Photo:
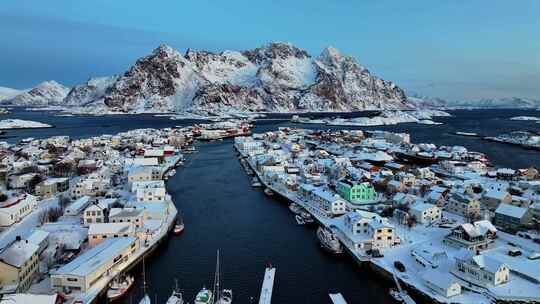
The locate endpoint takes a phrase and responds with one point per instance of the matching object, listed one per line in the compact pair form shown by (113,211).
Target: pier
(267,286)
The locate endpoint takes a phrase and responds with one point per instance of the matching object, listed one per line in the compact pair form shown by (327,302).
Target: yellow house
(18,265)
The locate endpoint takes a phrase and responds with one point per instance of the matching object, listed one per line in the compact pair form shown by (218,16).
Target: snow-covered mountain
(493,103)
(89,92)
(44,94)
(7,93)
(424,102)
(276,77)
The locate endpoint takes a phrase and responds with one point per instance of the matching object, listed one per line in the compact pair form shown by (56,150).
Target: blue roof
(92,259)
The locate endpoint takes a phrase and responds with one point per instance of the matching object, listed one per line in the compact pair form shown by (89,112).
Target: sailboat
(146,298)
(223,296)
(176,296)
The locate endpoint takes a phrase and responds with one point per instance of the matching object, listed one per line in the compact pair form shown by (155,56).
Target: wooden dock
(267,286)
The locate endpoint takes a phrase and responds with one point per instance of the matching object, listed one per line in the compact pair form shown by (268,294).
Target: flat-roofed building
(102,231)
(85,270)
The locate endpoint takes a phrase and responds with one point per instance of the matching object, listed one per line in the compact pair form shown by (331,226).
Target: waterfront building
(19,263)
(99,232)
(85,270)
(322,201)
(480,270)
(150,194)
(16,208)
(144,173)
(365,231)
(512,218)
(443,283)
(425,213)
(356,193)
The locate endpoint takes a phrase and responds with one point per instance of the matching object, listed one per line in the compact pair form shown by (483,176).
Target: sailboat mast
(216,291)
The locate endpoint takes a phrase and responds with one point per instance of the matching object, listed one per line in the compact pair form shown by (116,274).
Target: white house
(425,213)
(480,269)
(322,201)
(144,173)
(444,284)
(94,213)
(363,231)
(90,187)
(16,208)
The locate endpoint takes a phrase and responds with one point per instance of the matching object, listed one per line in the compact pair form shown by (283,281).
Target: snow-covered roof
(29,298)
(94,258)
(125,212)
(18,253)
(499,195)
(38,236)
(511,210)
(110,228)
(421,206)
(443,280)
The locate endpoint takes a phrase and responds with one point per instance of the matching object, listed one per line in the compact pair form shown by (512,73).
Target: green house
(356,193)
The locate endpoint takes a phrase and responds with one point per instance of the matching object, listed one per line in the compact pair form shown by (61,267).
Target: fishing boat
(308,218)
(255,182)
(146,298)
(119,287)
(329,241)
(179,226)
(299,220)
(176,296)
(295,208)
(268,192)
(204,297)
(225,297)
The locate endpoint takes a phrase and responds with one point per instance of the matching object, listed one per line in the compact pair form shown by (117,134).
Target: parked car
(514,252)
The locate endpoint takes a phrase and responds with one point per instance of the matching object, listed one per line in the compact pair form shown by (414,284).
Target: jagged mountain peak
(277,77)
(275,50)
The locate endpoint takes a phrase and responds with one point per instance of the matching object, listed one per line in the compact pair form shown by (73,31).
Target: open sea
(222,211)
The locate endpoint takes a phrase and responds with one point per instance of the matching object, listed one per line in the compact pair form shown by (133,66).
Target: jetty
(337,298)
(267,286)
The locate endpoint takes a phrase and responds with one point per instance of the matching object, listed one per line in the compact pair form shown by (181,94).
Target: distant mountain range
(485,103)
(277,77)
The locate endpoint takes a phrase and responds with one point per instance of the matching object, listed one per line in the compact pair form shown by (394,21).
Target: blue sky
(450,48)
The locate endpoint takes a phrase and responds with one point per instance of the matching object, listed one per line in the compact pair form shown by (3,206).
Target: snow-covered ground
(526,118)
(392,118)
(21,124)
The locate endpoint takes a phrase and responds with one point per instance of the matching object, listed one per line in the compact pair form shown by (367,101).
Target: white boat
(255,182)
(179,226)
(119,287)
(225,297)
(222,296)
(176,296)
(268,192)
(204,297)
(308,218)
(146,298)
(295,208)
(299,220)
(329,240)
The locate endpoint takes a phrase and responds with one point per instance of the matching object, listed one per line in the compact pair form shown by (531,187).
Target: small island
(8,124)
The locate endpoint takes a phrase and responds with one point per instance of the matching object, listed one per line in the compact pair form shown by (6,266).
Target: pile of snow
(392,118)
(21,124)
